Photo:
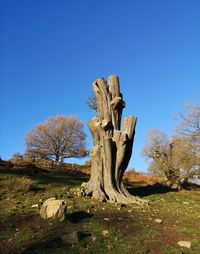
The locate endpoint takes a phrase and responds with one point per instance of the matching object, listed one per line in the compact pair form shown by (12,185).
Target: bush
(17,184)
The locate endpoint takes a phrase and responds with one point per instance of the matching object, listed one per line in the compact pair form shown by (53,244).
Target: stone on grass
(158,221)
(104,233)
(186,244)
(73,237)
(54,209)
(35,205)
(106,219)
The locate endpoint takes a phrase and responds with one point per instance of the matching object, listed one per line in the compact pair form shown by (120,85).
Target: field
(103,227)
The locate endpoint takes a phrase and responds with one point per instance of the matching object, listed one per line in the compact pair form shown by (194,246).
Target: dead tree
(112,148)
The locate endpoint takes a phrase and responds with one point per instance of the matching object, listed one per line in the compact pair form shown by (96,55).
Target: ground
(105,227)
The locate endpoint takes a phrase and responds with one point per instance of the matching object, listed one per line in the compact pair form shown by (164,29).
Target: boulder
(53,208)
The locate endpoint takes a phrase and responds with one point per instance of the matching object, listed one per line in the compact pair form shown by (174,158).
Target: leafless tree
(57,138)
(172,158)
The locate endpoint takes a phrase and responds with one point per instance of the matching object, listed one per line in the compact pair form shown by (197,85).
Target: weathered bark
(112,148)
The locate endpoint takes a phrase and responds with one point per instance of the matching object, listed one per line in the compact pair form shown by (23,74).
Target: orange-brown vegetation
(43,165)
(140,178)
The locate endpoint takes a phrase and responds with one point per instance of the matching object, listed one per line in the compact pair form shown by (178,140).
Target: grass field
(129,229)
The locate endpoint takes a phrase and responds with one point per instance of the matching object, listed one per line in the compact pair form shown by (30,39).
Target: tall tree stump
(112,148)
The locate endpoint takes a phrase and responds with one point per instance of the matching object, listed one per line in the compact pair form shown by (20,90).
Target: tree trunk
(112,148)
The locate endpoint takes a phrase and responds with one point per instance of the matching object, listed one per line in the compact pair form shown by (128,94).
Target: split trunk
(112,148)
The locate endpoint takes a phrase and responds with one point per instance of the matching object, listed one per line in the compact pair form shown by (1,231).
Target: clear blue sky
(52,51)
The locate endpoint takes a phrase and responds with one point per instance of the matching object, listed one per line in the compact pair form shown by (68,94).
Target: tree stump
(112,148)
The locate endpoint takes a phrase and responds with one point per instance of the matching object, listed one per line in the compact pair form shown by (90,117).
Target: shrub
(17,184)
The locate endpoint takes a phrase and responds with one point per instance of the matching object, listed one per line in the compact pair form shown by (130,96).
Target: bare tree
(57,138)
(91,102)
(190,124)
(112,148)
(173,159)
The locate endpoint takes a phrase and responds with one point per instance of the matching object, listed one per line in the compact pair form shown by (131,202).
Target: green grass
(130,228)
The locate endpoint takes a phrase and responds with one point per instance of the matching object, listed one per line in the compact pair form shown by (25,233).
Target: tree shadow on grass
(54,245)
(44,246)
(78,216)
(143,191)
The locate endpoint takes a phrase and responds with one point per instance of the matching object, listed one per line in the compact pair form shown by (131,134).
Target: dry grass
(131,176)
(139,178)
(17,184)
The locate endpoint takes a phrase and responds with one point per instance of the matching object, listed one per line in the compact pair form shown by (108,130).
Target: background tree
(91,102)
(57,138)
(190,125)
(17,158)
(112,148)
(173,159)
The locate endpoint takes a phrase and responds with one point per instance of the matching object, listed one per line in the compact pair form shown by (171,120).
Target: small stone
(106,219)
(35,205)
(185,244)
(73,237)
(94,238)
(104,233)
(129,211)
(158,221)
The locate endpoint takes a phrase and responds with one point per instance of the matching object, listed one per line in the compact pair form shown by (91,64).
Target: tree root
(114,196)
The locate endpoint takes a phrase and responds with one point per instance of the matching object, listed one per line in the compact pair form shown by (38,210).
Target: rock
(106,219)
(159,221)
(104,233)
(35,205)
(57,196)
(53,208)
(73,237)
(186,244)
(93,238)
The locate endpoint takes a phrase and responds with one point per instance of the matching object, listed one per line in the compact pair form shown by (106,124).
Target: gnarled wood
(112,148)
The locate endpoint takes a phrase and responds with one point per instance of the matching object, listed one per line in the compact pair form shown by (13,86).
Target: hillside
(102,227)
